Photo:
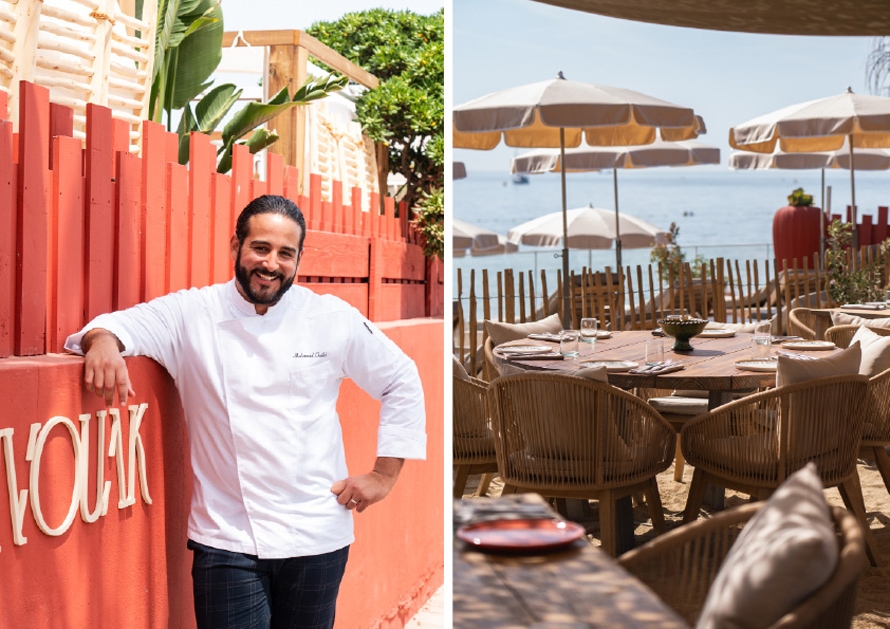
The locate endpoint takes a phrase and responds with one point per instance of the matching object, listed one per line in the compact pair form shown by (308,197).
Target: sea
(720,212)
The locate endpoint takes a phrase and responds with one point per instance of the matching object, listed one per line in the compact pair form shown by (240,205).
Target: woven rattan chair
(841,335)
(681,565)
(753,444)
(490,369)
(566,437)
(808,324)
(876,433)
(473,442)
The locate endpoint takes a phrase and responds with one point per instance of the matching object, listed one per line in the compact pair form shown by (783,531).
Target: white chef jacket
(259,394)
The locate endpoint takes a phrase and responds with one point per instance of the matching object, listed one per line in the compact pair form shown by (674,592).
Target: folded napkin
(797,356)
(658,369)
(865,306)
(535,356)
(782,339)
(467,511)
(546,336)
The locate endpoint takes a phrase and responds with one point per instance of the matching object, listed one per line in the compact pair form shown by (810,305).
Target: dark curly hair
(270,204)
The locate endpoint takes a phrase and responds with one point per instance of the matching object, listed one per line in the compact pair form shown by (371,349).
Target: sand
(873,602)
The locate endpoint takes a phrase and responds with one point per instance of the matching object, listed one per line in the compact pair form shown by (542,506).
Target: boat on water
(520,178)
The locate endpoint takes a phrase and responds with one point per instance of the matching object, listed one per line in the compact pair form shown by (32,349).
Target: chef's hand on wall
(360,492)
(105,370)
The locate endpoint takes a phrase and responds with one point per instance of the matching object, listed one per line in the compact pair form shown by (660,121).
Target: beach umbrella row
(860,120)
(588,228)
(590,158)
(560,113)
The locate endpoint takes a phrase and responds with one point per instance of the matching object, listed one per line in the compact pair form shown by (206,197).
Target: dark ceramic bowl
(682,330)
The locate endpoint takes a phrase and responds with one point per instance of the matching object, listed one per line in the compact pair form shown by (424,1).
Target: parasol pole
(566,300)
(853,196)
(617,230)
(822,221)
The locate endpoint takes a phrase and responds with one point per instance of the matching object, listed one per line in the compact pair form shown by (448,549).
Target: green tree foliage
(188,49)
(671,256)
(407,110)
(846,284)
(429,218)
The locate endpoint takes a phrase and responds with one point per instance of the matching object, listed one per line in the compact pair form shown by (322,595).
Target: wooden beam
(314,47)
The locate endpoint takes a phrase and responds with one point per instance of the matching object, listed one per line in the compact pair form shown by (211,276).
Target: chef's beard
(243,277)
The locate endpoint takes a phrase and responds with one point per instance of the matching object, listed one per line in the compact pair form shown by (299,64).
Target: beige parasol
(588,228)
(863,121)
(560,113)
(587,158)
(458,171)
(466,236)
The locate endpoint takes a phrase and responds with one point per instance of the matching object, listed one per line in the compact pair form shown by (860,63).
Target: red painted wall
(130,568)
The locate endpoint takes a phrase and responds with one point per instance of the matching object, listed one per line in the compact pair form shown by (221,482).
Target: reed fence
(87,227)
(634,298)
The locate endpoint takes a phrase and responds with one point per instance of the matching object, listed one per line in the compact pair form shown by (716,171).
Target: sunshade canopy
(586,158)
(458,170)
(466,235)
(818,125)
(531,116)
(588,228)
(788,17)
(866,159)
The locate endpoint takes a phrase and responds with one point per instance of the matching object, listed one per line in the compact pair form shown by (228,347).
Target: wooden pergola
(289,52)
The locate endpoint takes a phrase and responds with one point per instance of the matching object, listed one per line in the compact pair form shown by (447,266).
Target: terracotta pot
(796,234)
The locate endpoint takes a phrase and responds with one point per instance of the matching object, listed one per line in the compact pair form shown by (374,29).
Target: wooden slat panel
(8,222)
(99,216)
(339,222)
(154,210)
(258,188)
(177,227)
(327,217)
(67,312)
(242,173)
(292,183)
(61,122)
(275,173)
(3,110)
(402,261)
(355,294)
(314,219)
(128,267)
(328,255)
(33,182)
(222,268)
(202,158)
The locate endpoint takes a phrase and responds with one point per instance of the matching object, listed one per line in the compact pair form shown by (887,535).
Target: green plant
(671,256)
(188,48)
(799,199)
(428,218)
(846,284)
(407,110)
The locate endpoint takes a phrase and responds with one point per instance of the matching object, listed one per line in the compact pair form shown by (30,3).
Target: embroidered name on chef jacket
(310,354)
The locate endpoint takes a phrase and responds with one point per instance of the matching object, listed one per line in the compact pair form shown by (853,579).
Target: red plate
(520,535)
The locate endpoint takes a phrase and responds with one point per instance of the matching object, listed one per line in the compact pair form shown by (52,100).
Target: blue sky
(727,78)
(258,15)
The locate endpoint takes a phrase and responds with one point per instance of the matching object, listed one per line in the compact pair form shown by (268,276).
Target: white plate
(612,366)
(716,333)
(524,349)
(757,365)
(809,345)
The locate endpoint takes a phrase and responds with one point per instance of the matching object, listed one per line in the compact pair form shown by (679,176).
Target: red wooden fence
(86,229)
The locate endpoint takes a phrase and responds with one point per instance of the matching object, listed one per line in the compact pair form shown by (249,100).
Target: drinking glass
(588,330)
(654,352)
(887,297)
(763,340)
(568,343)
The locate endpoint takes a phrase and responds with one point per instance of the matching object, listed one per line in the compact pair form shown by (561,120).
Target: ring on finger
(353,501)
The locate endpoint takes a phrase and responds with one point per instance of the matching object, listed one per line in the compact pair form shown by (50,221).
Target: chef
(258,363)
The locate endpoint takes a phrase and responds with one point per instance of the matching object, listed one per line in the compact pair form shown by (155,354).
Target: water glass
(887,297)
(654,352)
(763,340)
(568,343)
(589,328)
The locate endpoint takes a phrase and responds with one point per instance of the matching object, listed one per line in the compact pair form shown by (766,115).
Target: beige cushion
(794,370)
(842,318)
(598,374)
(743,327)
(458,370)
(875,351)
(678,405)
(784,554)
(503,332)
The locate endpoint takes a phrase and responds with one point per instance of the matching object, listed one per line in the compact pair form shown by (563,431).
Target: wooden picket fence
(87,227)
(736,291)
